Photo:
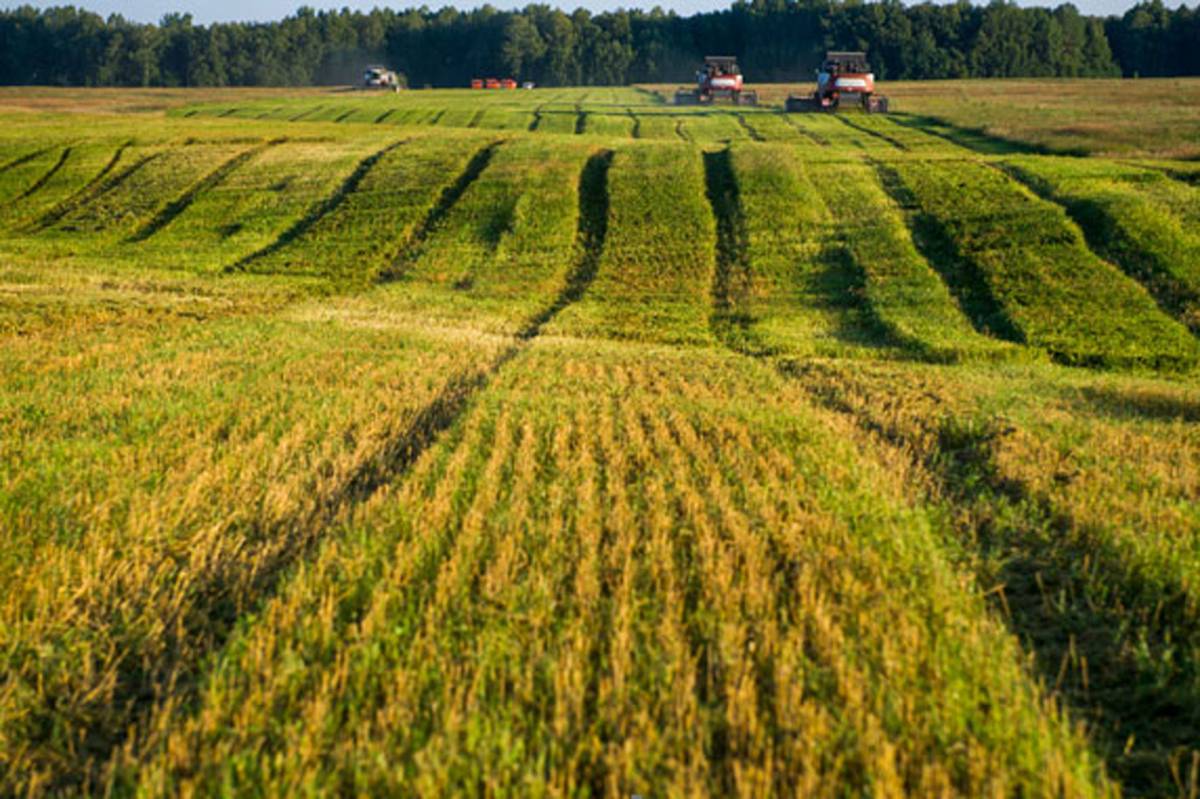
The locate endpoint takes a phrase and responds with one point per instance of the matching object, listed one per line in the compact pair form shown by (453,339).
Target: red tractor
(719,78)
(843,75)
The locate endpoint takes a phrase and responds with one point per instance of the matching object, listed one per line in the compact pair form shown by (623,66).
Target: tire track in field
(1173,296)
(171,679)
(591,231)
(637,124)
(318,211)
(308,112)
(935,244)
(76,198)
(580,120)
(379,119)
(342,117)
(173,209)
(750,131)
(803,130)
(733,274)
(44,179)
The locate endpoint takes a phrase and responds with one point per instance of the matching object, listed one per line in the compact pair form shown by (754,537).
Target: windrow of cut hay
(359,231)
(655,274)
(791,286)
(506,245)
(1076,494)
(1055,292)
(1139,219)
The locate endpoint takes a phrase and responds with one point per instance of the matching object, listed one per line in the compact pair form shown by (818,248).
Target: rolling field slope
(569,443)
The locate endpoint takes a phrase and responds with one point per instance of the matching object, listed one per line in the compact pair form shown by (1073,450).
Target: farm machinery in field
(843,76)
(376,77)
(719,78)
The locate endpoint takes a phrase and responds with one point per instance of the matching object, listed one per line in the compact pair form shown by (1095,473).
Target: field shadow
(1108,240)
(1117,643)
(937,247)
(836,286)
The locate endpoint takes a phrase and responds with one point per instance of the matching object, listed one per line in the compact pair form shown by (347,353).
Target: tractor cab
(843,74)
(720,77)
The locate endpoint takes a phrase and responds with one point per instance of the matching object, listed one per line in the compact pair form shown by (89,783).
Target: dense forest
(776,40)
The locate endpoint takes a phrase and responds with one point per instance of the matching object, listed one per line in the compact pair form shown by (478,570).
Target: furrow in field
(878,135)
(607,598)
(86,165)
(905,294)
(1135,218)
(1055,292)
(750,131)
(804,130)
(130,202)
(168,213)
(107,181)
(963,279)
(449,196)
(21,160)
(25,174)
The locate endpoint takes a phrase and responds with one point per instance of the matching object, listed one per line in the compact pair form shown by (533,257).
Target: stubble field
(563,442)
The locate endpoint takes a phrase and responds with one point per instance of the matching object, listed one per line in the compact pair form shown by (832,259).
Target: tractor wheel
(747,98)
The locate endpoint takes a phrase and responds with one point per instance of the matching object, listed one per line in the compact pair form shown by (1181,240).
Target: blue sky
(212,10)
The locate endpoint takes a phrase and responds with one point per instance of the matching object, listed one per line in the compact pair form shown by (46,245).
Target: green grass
(565,442)
(1139,219)
(1033,261)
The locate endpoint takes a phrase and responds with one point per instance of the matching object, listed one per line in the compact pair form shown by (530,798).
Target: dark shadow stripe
(319,211)
(44,179)
(180,204)
(803,130)
(1104,237)
(591,231)
(935,244)
(98,190)
(899,145)
(450,195)
(750,131)
(24,159)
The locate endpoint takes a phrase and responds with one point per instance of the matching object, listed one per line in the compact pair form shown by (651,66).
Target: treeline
(776,40)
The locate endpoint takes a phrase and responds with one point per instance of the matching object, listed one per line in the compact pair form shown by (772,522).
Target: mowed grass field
(566,443)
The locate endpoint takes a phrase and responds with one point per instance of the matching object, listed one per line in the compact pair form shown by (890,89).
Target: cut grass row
(178,568)
(1026,256)
(627,570)
(1078,495)
(1140,219)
